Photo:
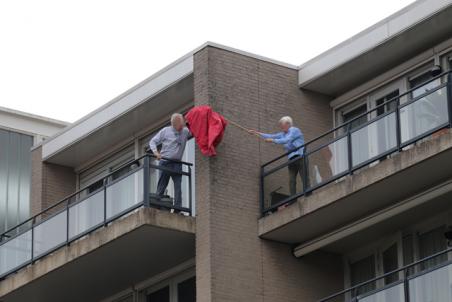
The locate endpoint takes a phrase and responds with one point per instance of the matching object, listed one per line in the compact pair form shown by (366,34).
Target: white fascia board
(29,123)
(369,39)
(359,225)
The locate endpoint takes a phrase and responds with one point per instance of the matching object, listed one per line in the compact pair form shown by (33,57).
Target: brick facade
(50,183)
(233,263)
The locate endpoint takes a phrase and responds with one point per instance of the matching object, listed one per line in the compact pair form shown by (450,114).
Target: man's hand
(269,140)
(251,131)
(158,155)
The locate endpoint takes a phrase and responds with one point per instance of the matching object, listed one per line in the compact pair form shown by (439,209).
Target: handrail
(140,198)
(403,268)
(68,197)
(347,135)
(361,115)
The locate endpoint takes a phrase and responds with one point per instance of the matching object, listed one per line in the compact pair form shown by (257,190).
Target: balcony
(426,280)
(360,168)
(99,231)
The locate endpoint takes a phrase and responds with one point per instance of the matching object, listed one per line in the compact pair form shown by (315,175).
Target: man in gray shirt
(172,140)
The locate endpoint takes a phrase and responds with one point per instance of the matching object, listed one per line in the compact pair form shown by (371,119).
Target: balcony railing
(429,279)
(131,186)
(366,139)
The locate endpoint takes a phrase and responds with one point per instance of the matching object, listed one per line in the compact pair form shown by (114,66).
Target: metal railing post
(146,175)
(398,126)
(261,190)
(349,149)
(32,239)
(67,221)
(104,189)
(449,97)
(405,285)
(305,171)
(190,191)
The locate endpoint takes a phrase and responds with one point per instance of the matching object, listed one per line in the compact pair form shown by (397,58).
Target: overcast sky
(63,59)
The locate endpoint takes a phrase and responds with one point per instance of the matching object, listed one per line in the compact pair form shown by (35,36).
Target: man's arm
(292,134)
(189,134)
(271,135)
(155,141)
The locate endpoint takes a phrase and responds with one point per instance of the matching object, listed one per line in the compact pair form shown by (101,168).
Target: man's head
(177,121)
(285,123)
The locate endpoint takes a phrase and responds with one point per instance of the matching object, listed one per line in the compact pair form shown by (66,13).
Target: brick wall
(50,183)
(232,263)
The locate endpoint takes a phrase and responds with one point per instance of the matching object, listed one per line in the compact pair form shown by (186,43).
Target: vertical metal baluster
(32,239)
(398,126)
(105,200)
(146,172)
(449,97)
(305,171)
(190,191)
(349,149)
(405,285)
(67,221)
(261,191)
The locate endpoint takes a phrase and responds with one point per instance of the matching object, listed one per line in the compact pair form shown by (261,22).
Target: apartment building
(370,220)
(19,131)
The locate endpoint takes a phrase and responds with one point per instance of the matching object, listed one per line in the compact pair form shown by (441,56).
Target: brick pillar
(232,262)
(50,183)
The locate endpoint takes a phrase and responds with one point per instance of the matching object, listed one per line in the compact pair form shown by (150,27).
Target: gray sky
(63,59)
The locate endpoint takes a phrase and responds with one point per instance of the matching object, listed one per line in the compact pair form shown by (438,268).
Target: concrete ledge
(143,217)
(278,225)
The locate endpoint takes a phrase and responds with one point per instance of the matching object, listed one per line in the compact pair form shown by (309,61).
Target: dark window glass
(418,81)
(362,271)
(389,106)
(430,243)
(161,295)
(353,114)
(390,263)
(186,291)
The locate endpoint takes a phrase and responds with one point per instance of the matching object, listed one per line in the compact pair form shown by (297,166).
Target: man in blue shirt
(292,139)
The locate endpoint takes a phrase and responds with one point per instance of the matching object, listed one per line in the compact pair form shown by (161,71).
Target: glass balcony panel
(434,286)
(328,162)
(125,193)
(168,197)
(390,294)
(374,139)
(15,252)
(277,187)
(86,214)
(424,115)
(50,234)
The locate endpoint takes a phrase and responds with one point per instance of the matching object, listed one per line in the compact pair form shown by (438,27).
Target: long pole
(241,127)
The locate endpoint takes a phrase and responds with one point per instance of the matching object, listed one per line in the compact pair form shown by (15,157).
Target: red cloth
(207,126)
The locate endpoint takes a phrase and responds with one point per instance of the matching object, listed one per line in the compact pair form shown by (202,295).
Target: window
(15,178)
(390,263)
(181,288)
(93,177)
(352,114)
(186,290)
(361,271)
(389,106)
(421,79)
(430,243)
(160,295)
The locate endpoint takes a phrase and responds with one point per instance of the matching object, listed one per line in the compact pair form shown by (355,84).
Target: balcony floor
(364,193)
(107,261)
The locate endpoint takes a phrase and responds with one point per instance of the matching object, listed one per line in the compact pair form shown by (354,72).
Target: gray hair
(286,120)
(176,116)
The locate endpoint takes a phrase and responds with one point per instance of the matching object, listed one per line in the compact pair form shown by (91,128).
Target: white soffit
(119,106)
